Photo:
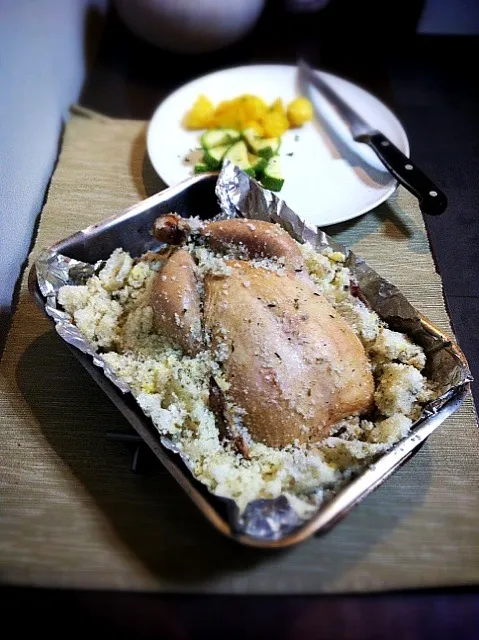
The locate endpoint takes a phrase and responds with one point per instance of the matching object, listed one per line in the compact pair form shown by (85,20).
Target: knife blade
(432,201)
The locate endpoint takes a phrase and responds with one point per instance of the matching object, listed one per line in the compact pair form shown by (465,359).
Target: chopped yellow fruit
(238,113)
(224,105)
(278,107)
(274,124)
(300,110)
(252,106)
(200,115)
(226,118)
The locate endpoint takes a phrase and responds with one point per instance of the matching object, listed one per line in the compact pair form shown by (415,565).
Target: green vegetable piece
(214,157)
(272,177)
(219,137)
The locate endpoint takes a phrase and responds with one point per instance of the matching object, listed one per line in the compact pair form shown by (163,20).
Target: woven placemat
(72,513)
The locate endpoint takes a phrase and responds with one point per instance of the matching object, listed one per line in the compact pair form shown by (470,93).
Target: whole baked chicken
(294,366)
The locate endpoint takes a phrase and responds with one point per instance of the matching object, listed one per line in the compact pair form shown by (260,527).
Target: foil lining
(240,196)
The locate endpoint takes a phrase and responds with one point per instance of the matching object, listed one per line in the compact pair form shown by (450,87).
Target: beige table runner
(72,513)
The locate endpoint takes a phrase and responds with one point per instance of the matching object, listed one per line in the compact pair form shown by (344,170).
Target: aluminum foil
(241,196)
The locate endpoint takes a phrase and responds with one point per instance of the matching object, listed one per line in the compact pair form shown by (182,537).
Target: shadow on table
(387,220)
(152,515)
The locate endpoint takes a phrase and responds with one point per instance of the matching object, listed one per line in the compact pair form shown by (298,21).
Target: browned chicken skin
(176,302)
(293,365)
(171,229)
(258,239)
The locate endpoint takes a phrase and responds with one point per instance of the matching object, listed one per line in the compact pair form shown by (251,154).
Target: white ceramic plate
(329,178)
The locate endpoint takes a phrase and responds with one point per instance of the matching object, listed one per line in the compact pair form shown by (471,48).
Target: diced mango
(200,115)
(278,107)
(224,119)
(252,107)
(274,124)
(300,110)
(237,113)
(223,107)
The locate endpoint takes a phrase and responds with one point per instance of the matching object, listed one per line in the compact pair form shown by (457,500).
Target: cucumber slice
(219,137)
(214,157)
(272,178)
(264,147)
(257,163)
(201,167)
(268,147)
(238,155)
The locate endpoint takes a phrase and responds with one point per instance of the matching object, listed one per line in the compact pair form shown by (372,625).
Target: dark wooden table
(426,81)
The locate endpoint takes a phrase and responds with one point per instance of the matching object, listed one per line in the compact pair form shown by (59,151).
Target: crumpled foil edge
(240,195)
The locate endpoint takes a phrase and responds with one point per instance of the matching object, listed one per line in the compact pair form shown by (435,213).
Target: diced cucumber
(257,163)
(238,155)
(214,157)
(219,137)
(201,167)
(272,178)
(268,147)
(264,147)
(249,136)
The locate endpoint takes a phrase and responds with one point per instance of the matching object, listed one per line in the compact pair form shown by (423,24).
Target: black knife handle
(432,200)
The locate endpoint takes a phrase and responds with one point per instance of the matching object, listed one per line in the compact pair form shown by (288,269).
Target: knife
(432,200)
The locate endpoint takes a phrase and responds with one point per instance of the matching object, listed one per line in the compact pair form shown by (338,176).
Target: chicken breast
(294,366)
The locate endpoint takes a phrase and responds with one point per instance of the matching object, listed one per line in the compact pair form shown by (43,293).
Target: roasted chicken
(294,366)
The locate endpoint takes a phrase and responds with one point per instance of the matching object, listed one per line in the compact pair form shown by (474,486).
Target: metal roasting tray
(131,230)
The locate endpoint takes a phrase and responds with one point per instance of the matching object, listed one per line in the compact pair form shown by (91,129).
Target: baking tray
(131,231)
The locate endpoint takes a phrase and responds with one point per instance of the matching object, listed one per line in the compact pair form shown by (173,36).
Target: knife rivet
(433,193)
(409,167)
(385,143)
